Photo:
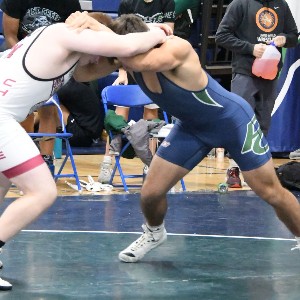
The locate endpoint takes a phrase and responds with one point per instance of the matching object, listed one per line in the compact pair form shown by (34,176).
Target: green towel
(114,122)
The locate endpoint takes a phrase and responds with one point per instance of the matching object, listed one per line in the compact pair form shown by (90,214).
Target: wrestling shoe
(295,154)
(5,285)
(233,178)
(146,242)
(105,173)
(298,244)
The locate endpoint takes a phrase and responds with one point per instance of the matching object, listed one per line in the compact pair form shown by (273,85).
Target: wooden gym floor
(205,177)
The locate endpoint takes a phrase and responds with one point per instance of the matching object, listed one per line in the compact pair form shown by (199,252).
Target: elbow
(291,43)
(129,51)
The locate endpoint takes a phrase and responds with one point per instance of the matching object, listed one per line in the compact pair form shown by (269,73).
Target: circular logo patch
(266,19)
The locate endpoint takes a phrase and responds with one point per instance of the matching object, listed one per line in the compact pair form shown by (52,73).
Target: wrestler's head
(128,23)
(101,18)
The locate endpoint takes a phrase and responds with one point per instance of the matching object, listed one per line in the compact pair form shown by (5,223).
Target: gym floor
(220,246)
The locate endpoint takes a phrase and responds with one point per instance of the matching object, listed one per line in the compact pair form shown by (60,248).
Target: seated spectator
(83,112)
(150,11)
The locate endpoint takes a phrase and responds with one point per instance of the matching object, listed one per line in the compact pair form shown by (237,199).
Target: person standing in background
(246,29)
(150,11)
(20,18)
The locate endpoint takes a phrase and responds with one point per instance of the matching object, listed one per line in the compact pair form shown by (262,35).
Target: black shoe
(49,161)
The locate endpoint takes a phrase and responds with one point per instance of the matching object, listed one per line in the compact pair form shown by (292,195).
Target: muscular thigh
(247,144)
(16,148)
(163,175)
(183,148)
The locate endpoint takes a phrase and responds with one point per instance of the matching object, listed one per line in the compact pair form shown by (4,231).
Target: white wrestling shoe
(148,241)
(298,244)
(5,285)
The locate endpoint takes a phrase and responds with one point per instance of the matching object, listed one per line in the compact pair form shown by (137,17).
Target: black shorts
(86,119)
(80,136)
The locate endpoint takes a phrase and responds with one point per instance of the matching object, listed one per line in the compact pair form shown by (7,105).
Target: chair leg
(68,155)
(113,174)
(69,150)
(182,185)
(58,174)
(118,165)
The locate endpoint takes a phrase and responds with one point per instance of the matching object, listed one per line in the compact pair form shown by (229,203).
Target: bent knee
(47,196)
(150,195)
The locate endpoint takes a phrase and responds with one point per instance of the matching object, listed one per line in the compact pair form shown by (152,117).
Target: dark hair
(128,23)
(101,18)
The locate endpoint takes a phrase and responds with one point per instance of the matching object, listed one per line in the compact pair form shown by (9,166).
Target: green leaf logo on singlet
(253,139)
(205,98)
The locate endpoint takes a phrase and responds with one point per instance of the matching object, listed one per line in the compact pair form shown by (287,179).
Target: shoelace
(146,237)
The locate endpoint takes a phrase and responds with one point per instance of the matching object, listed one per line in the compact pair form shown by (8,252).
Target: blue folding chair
(109,7)
(64,135)
(130,96)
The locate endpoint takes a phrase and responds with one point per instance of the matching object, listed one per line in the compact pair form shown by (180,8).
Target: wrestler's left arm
(163,58)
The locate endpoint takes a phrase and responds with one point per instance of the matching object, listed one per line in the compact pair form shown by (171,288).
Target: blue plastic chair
(64,135)
(131,96)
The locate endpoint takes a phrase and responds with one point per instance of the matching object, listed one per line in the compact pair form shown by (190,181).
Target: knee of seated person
(47,112)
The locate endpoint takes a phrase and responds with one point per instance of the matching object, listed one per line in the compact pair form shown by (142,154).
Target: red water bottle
(267,66)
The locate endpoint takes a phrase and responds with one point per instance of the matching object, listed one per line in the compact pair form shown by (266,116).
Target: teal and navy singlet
(209,118)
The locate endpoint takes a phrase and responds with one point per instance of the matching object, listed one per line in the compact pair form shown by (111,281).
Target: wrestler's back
(20,91)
